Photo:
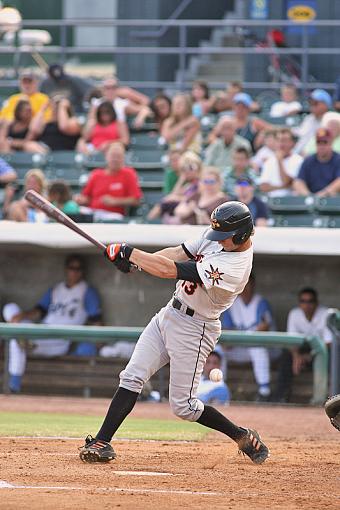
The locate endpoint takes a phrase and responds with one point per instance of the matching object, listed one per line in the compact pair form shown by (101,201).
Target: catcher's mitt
(332,408)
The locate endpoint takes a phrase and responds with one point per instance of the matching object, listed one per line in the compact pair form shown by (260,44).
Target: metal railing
(333,322)
(181,49)
(98,334)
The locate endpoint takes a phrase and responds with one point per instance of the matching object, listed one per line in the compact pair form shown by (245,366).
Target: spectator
(126,101)
(219,152)
(240,169)
(182,130)
(289,104)
(101,129)
(171,172)
(60,84)
(223,100)
(190,166)
(62,132)
(70,302)
(330,121)
(320,102)
(309,319)
(200,96)
(197,209)
(266,151)
(212,392)
(246,126)
(114,188)
(28,84)
(14,135)
(59,193)
(244,191)
(160,109)
(251,312)
(281,169)
(21,210)
(7,173)
(320,173)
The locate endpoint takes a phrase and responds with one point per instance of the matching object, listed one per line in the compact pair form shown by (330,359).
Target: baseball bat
(53,212)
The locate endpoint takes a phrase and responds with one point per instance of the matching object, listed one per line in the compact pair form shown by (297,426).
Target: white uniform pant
(183,341)
(259,357)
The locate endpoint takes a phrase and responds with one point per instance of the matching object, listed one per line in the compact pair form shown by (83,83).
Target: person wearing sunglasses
(320,173)
(309,318)
(69,302)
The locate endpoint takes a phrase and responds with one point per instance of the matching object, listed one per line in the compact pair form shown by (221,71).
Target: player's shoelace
(252,446)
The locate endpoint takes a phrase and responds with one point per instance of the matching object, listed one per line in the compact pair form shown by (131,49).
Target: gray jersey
(223,274)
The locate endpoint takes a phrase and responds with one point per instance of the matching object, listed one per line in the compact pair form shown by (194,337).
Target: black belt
(179,306)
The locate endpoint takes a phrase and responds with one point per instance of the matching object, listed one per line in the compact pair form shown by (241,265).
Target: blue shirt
(5,168)
(316,174)
(258,209)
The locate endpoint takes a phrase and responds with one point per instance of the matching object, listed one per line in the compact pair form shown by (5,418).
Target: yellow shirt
(37,100)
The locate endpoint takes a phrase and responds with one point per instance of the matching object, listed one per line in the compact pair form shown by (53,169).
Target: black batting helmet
(231,219)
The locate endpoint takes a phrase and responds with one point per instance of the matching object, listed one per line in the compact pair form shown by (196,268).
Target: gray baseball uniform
(186,330)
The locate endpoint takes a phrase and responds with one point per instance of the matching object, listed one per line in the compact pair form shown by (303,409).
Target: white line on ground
(142,473)
(6,485)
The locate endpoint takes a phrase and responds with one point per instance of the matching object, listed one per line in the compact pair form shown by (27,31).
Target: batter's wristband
(126,250)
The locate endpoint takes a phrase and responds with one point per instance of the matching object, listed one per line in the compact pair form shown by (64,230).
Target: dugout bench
(99,334)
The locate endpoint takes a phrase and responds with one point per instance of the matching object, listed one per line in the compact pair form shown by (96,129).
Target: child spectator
(182,129)
(266,151)
(172,171)
(280,169)
(289,104)
(101,129)
(240,169)
(59,193)
(197,209)
(200,96)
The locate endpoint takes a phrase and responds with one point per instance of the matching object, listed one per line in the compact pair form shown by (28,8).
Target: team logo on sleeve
(214,275)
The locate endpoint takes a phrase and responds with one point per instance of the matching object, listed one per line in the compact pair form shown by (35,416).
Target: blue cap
(243,98)
(322,96)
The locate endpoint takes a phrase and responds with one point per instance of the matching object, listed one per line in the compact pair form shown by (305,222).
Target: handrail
(97,334)
(157,34)
(333,322)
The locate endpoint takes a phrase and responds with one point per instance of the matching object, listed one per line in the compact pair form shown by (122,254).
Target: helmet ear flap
(241,237)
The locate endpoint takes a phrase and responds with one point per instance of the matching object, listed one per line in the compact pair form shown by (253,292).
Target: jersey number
(189,287)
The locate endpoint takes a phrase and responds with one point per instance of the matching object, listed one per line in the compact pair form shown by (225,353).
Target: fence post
(320,370)
(5,381)
(182,54)
(304,59)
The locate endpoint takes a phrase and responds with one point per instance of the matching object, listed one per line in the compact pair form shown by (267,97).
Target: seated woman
(197,209)
(14,135)
(59,193)
(190,166)
(102,129)
(182,129)
(202,103)
(21,210)
(62,132)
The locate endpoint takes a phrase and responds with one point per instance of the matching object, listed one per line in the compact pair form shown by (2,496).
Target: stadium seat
(144,141)
(146,159)
(333,221)
(152,179)
(299,220)
(95,160)
(291,204)
(66,159)
(24,161)
(72,175)
(328,205)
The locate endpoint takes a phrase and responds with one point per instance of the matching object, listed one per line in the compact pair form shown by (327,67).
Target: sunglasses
(307,301)
(74,268)
(209,181)
(323,142)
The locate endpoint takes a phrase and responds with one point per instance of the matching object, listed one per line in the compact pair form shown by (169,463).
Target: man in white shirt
(279,170)
(309,319)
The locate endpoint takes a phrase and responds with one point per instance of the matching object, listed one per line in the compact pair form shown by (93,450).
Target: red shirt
(102,134)
(123,183)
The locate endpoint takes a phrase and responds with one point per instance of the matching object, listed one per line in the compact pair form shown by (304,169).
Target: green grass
(73,425)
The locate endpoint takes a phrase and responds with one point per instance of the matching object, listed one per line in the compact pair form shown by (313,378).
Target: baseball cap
(28,74)
(244,181)
(322,96)
(323,134)
(243,98)
(56,71)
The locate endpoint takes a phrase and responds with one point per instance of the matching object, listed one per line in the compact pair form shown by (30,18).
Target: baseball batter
(211,272)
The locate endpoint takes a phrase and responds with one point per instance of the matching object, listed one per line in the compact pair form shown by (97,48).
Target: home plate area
(45,473)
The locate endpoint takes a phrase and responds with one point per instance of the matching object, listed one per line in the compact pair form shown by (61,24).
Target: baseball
(216,375)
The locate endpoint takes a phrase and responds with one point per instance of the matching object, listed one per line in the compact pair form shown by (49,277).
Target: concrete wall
(132,300)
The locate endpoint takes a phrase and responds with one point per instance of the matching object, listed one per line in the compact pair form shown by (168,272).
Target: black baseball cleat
(252,445)
(96,450)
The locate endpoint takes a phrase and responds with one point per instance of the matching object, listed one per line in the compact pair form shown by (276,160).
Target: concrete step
(220,70)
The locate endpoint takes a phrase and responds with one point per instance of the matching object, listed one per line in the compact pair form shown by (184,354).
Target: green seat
(72,175)
(95,160)
(151,179)
(144,141)
(291,204)
(333,221)
(22,162)
(146,156)
(327,205)
(66,159)
(299,220)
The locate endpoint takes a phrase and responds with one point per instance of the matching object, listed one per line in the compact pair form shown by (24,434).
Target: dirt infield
(302,473)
